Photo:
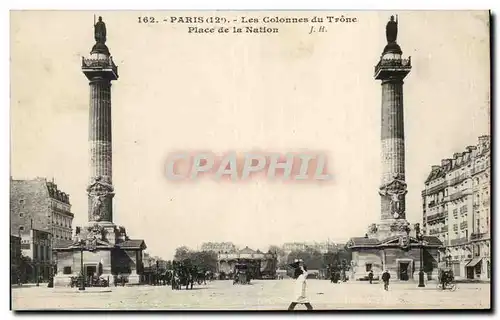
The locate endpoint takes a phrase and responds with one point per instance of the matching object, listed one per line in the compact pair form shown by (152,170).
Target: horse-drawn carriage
(241,274)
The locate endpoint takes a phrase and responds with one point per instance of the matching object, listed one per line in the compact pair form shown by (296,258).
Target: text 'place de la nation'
(426,208)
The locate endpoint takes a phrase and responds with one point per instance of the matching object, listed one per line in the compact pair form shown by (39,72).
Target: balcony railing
(437,188)
(436,216)
(458,179)
(64,212)
(463,225)
(390,64)
(478,236)
(479,169)
(96,64)
(458,241)
(434,231)
(456,195)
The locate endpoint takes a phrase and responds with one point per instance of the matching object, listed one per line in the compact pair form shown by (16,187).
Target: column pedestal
(134,278)
(62,280)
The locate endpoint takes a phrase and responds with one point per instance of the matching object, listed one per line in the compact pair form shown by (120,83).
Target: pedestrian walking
(370,276)
(385,277)
(300,275)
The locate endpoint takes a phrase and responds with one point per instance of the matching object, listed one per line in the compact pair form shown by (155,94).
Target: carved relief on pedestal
(404,242)
(400,226)
(395,191)
(100,194)
(350,243)
(372,229)
(89,235)
(96,232)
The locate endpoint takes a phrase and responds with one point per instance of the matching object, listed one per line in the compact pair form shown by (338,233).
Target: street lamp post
(420,238)
(37,277)
(85,244)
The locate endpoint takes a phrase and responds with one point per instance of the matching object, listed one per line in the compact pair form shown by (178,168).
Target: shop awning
(474,261)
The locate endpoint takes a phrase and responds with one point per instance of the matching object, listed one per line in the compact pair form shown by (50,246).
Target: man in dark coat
(370,276)
(385,277)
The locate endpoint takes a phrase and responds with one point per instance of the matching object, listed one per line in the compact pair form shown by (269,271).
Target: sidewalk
(29,285)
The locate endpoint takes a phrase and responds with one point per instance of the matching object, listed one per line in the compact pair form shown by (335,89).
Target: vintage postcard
(250,160)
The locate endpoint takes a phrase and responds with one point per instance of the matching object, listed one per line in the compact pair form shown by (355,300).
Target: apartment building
(456,209)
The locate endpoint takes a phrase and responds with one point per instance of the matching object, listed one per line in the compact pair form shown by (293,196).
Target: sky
(282,92)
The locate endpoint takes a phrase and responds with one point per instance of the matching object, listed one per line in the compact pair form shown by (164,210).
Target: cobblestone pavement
(260,295)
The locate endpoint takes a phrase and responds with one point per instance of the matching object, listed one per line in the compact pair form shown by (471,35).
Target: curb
(81,291)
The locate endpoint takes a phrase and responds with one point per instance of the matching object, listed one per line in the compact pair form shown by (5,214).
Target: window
(21,214)
(368,267)
(67,270)
(21,228)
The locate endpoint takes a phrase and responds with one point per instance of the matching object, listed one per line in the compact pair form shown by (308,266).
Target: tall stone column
(100,203)
(393,145)
(391,70)
(100,70)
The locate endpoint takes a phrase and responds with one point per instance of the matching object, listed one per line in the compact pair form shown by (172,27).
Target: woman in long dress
(300,296)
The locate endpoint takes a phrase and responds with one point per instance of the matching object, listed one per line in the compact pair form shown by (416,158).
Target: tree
(168,265)
(281,255)
(200,259)
(312,258)
(204,259)
(338,259)
(181,253)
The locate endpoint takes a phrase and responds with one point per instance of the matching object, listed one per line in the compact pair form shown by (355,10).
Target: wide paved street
(261,295)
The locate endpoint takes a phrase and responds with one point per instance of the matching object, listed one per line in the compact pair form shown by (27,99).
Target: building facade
(36,246)
(456,209)
(218,246)
(323,247)
(15,259)
(39,204)
(260,264)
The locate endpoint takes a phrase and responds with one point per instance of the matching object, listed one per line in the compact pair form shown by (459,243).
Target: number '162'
(146,20)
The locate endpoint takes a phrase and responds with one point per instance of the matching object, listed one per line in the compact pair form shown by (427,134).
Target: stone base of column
(134,279)
(389,228)
(62,280)
(434,275)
